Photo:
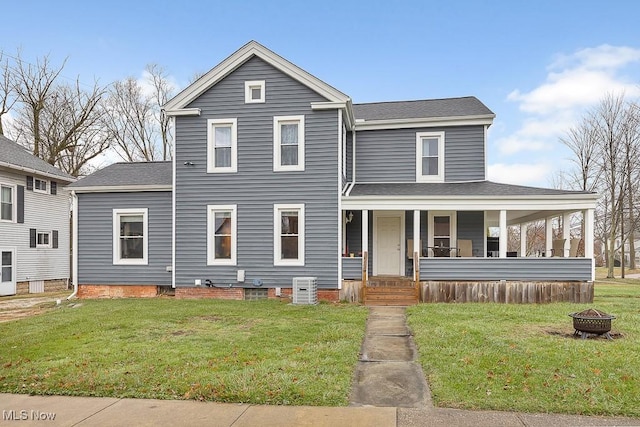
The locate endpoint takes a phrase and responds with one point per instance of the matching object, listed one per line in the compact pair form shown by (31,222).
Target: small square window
(40,185)
(254,91)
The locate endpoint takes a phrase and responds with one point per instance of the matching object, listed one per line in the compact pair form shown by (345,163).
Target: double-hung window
(222,145)
(221,234)
(130,236)
(288,143)
(6,203)
(430,156)
(288,234)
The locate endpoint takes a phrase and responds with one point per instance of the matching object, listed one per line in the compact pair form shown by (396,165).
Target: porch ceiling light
(349,217)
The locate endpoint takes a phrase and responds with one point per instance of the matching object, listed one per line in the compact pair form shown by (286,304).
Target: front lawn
(524,358)
(261,352)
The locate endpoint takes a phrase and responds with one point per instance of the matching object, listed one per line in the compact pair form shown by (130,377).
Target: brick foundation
(117,291)
(205,292)
(330,295)
(53,285)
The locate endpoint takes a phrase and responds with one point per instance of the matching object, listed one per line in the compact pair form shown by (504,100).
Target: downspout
(173,206)
(74,244)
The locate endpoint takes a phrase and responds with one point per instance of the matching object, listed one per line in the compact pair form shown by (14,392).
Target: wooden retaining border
(504,291)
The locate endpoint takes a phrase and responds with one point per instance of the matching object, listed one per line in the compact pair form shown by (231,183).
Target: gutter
(37,172)
(74,244)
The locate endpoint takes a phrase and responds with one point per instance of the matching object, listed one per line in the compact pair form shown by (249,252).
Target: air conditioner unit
(305,290)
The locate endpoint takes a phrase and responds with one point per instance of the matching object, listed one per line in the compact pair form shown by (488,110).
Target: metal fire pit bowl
(592,321)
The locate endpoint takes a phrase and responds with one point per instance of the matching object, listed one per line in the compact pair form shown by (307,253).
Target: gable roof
(15,156)
(428,108)
(134,176)
(235,60)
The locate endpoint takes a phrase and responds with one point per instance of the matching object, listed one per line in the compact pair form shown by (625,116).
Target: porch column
(566,233)
(548,236)
(365,231)
(503,234)
(523,239)
(588,216)
(417,246)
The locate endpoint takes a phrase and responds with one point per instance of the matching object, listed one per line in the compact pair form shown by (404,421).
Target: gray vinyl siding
(95,239)
(349,156)
(534,269)
(255,188)
(471,227)
(352,268)
(390,155)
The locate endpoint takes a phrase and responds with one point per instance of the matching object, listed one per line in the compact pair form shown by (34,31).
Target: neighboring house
(34,222)
(277,175)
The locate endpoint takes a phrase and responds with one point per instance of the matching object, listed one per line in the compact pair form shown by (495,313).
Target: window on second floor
(6,203)
(288,143)
(430,156)
(222,145)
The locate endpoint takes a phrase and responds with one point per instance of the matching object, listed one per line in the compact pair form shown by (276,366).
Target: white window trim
(277,166)
(211,250)
(116,236)
(211,158)
(14,203)
(429,178)
(453,226)
(252,84)
(37,190)
(48,245)
(277,209)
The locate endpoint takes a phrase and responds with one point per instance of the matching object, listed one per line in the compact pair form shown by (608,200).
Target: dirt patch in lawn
(13,308)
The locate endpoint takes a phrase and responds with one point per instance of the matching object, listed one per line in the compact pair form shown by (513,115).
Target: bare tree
(34,84)
(136,123)
(7,92)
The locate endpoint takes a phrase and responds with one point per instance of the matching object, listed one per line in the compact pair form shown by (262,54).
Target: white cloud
(574,83)
(520,173)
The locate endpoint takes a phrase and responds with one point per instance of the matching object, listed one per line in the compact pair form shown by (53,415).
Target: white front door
(7,271)
(389,229)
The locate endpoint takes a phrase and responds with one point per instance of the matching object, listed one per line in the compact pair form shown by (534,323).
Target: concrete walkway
(387,373)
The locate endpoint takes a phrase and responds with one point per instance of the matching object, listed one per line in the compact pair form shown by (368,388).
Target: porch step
(390,295)
(390,282)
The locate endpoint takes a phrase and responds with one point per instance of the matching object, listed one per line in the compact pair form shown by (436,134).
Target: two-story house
(277,175)
(34,223)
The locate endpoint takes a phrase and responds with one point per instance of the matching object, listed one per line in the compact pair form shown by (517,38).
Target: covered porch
(511,247)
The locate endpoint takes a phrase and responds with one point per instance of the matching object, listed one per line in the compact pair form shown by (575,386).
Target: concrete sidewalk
(24,410)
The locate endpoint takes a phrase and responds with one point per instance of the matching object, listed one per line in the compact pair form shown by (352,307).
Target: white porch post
(588,239)
(548,236)
(523,239)
(417,247)
(566,233)
(365,236)
(503,234)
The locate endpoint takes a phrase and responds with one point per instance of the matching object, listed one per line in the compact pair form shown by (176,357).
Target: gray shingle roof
(428,108)
(480,188)
(14,155)
(128,174)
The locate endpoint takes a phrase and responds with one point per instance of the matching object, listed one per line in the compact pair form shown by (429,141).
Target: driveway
(12,308)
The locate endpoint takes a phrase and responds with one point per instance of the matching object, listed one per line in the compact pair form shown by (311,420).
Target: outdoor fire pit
(592,322)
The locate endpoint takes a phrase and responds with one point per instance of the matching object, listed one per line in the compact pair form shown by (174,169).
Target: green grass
(524,357)
(261,352)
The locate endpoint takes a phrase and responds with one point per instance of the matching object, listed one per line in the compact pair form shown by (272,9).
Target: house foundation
(38,286)
(117,291)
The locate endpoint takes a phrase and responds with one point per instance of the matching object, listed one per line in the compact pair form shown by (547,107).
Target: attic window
(254,91)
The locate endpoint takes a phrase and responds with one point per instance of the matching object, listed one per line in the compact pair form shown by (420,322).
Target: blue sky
(537,64)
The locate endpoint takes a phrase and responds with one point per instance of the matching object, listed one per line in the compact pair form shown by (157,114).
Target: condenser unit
(305,290)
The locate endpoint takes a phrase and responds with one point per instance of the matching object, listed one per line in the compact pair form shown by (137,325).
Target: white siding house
(34,222)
